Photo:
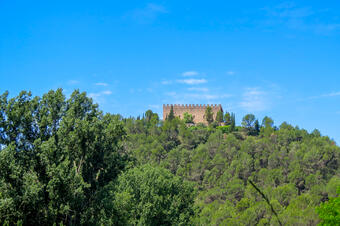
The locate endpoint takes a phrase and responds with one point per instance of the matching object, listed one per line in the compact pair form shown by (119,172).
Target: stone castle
(196,110)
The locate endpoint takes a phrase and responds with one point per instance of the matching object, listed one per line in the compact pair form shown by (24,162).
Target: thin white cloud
(72,82)
(147,14)
(101,84)
(253,99)
(230,72)
(99,97)
(172,94)
(208,96)
(195,97)
(333,94)
(107,92)
(189,73)
(166,82)
(154,106)
(198,89)
(192,81)
(300,18)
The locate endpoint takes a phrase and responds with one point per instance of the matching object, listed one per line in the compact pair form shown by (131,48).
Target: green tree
(219,117)
(171,115)
(329,212)
(267,126)
(153,196)
(256,127)
(227,118)
(267,122)
(248,123)
(232,122)
(56,156)
(209,115)
(188,118)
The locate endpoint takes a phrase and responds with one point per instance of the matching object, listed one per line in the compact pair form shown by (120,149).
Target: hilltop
(64,161)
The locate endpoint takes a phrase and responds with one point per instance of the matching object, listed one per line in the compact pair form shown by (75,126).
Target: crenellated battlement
(197,110)
(191,106)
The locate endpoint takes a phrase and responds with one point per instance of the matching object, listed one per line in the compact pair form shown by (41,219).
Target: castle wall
(197,110)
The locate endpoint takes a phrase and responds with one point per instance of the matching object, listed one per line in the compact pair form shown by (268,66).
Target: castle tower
(196,110)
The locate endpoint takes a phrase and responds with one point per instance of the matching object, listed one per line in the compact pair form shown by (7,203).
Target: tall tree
(209,115)
(153,196)
(267,122)
(57,159)
(171,115)
(267,126)
(219,117)
(227,118)
(248,123)
(256,128)
(232,122)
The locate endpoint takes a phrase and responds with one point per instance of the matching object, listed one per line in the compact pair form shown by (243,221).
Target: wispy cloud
(196,97)
(101,84)
(172,94)
(208,96)
(333,94)
(230,72)
(192,81)
(292,16)
(72,82)
(189,73)
(154,106)
(98,97)
(147,14)
(198,89)
(107,92)
(166,82)
(253,99)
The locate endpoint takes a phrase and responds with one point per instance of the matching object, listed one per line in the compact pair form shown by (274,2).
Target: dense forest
(64,162)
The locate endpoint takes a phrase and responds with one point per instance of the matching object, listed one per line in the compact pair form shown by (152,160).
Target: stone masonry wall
(197,110)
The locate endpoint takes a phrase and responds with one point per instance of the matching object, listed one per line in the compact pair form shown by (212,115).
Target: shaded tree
(248,123)
(171,115)
(219,117)
(153,196)
(227,118)
(188,118)
(209,115)
(232,122)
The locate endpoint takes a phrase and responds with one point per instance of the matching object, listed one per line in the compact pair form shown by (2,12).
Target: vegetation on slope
(64,161)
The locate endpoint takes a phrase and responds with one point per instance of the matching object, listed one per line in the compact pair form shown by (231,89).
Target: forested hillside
(63,161)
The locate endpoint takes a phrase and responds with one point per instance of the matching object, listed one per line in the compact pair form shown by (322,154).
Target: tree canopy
(64,162)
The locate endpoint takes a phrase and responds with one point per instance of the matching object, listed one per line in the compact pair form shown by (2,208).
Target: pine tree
(227,119)
(171,115)
(257,128)
(232,122)
(219,116)
(209,115)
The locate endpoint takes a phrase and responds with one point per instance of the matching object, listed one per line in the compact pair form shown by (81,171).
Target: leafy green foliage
(62,161)
(219,116)
(188,118)
(209,115)
(171,115)
(56,155)
(329,211)
(153,196)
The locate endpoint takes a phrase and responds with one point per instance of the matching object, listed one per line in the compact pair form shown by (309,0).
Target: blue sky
(275,58)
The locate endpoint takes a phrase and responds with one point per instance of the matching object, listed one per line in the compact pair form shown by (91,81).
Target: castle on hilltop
(196,110)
